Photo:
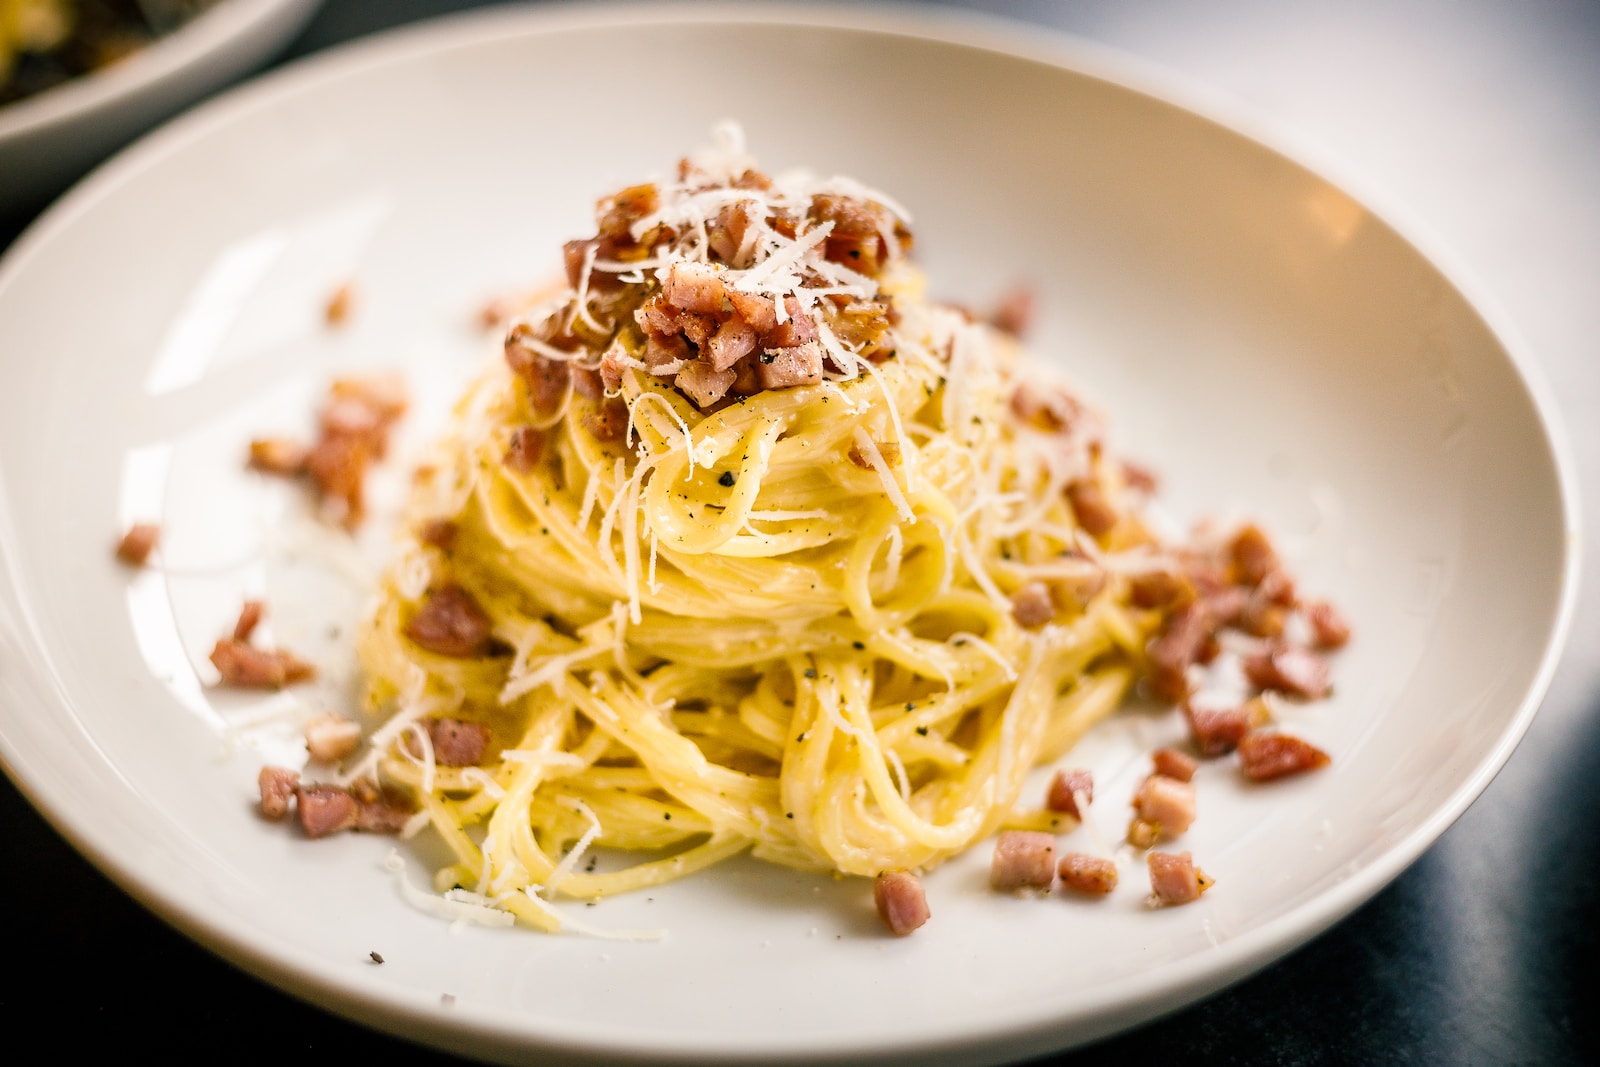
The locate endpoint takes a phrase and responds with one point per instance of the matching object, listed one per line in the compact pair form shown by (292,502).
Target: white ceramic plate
(1256,333)
(50,138)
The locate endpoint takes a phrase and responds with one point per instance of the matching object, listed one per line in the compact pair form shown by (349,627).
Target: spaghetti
(749,546)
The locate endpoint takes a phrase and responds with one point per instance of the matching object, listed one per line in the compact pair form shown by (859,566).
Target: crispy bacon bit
(859,226)
(456,742)
(1159,589)
(1260,616)
(781,368)
(278,455)
(703,384)
(1171,763)
(889,450)
(246,667)
(733,341)
(1142,833)
(1174,879)
(1265,756)
(355,425)
(450,623)
(759,312)
(1138,477)
(548,380)
(440,533)
(278,785)
(1216,731)
(1288,669)
(325,809)
(1065,788)
(902,905)
(330,738)
(1329,630)
(1014,313)
(1251,556)
(525,449)
(588,383)
(1031,605)
(136,545)
(1087,874)
(727,233)
(695,287)
(1180,644)
(249,618)
(1166,802)
(379,811)
(608,420)
(1094,512)
(339,304)
(1023,860)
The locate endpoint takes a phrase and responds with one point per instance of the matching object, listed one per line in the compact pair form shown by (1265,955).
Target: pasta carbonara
(747,546)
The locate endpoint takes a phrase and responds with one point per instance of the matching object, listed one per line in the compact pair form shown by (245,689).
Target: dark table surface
(1480,121)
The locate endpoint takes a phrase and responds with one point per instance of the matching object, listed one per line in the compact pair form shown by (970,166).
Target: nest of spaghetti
(747,545)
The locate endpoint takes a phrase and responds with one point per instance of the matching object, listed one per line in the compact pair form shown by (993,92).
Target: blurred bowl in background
(52,137)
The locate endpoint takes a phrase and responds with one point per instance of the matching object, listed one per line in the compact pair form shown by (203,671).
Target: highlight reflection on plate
(1255,333)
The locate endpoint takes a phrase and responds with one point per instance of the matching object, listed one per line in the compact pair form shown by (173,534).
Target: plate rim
(301,974)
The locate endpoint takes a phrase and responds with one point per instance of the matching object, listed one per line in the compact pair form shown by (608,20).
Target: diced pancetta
(1266,756)
(901,902)
(1023,860)
(1091,875)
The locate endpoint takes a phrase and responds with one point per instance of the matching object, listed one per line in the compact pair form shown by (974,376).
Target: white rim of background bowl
(163,58)
(488,1033)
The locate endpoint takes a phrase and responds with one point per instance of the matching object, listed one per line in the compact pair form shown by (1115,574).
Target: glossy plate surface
(1257,334)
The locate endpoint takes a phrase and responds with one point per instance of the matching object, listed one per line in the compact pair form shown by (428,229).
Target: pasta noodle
(792,617)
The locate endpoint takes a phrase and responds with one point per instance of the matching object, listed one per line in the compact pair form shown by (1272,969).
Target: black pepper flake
(811,672)
(667,815)
(375,957)
(788,815)
(857,645)
(727,479)
(911,705)
(767,357)
(545,530)
(922,731)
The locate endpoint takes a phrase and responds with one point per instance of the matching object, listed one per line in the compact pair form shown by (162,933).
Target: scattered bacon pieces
(456,742)
(1266,756)
(1091,875)
(1032,606)
(1142,833)
(278,455)
(136,545)
(889,450)
(608,421)
(246,667)
(1166,803)
(1023,860)
(1171,763)
(450,623)
(525,449)
(379,811)
(1014,313)
(339,304)
(1329,630)
(1218,731)
(278,785)
(330,738)
(1094,511)
(1180,644)
(249,618)
(355,424)
(901,902)
(1251,556)
(1064,790)
(1174,879)
(780,368)
(1289,669)
(440,533)
(325,809)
